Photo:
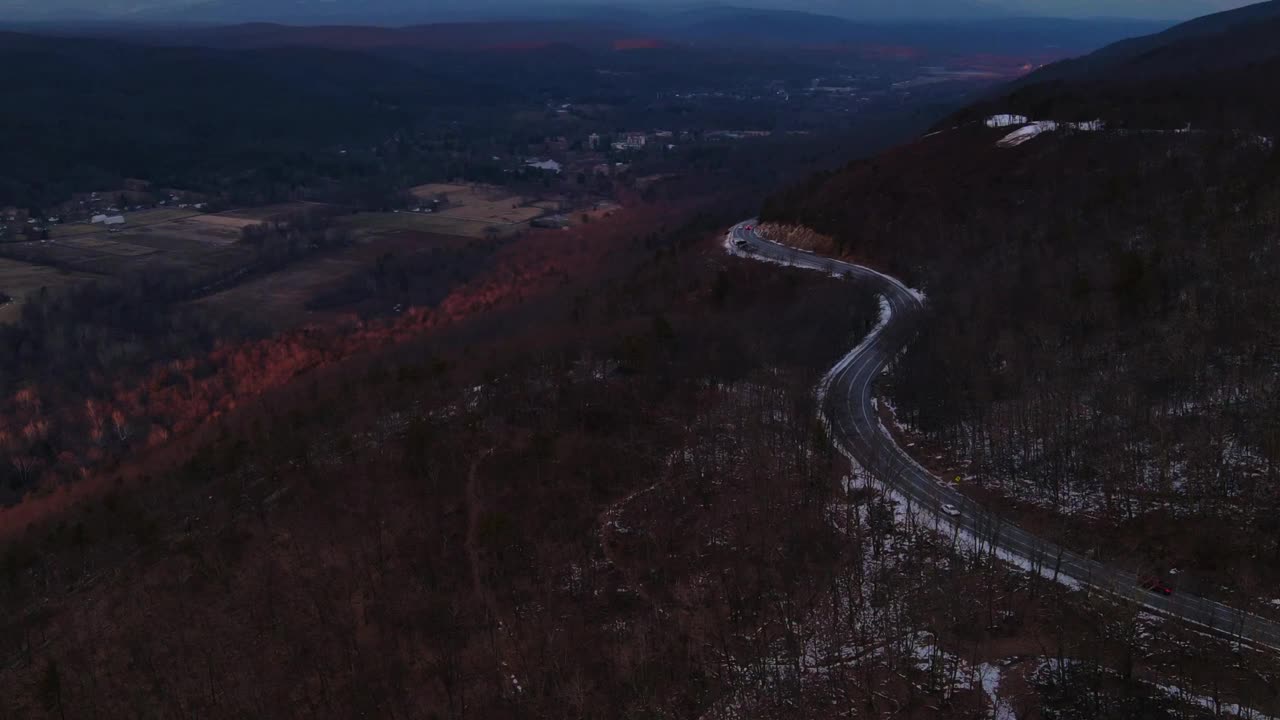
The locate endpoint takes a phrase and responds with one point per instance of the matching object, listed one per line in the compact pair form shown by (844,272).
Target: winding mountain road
(848,402)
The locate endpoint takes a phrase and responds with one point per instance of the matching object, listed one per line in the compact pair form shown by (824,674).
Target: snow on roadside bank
(906,509)
(1025,133)
(1006,120)
(1035,129)
(1050,666)
(992,676)
(886,314)
(1031,129)
(1217,707)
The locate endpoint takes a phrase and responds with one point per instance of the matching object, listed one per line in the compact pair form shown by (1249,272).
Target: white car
(949,509)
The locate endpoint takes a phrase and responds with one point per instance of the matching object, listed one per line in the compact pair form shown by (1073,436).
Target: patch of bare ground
(798,236)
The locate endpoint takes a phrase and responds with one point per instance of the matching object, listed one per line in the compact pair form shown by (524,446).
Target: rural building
(635,141)
(114,220)
(98,219)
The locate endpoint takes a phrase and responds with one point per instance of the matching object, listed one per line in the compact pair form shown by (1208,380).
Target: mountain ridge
(1215,71)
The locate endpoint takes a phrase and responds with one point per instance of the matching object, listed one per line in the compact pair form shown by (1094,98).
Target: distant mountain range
(595,28)
(419,11)
(406,12)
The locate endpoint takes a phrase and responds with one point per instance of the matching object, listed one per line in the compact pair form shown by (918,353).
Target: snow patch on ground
(1032,129)
(1003,121)
(1025,133)
(1217,707)
(991,677)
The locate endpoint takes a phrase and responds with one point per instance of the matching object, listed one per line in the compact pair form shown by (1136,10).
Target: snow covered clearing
(1028,130)
(1032,129)
(1025,133)
(886,314)
(1003,121)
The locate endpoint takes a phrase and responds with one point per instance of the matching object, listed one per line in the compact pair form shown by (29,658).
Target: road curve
(849,410)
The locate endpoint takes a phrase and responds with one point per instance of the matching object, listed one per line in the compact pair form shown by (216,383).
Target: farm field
(139,218)
(177,241)
(221,227)
(170,239)
(121,253)
(374,224)
(280,299)
(465,210)
(20,280)
(190,232)
(268,213)
(452,191)
(181,241)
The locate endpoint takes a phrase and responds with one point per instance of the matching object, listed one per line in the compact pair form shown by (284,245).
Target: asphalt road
(850,410)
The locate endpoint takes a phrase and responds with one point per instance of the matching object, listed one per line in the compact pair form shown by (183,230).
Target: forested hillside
(578,470)
(627,509)
(1100,343)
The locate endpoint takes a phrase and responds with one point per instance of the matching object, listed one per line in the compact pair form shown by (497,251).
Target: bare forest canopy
(1100,343)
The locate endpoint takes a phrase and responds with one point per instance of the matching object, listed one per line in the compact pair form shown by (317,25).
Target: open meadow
(172,240)
(473,211)
(20,280)
(187,243)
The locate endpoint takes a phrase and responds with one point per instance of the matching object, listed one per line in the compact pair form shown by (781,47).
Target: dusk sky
(1164,9)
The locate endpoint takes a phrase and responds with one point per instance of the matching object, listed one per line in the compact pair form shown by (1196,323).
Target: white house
(98,219)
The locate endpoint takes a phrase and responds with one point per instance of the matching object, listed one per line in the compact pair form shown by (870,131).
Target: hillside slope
(1100,354)
(82,113)
(1218,72)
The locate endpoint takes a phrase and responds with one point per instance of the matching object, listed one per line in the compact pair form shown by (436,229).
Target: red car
(1155,585)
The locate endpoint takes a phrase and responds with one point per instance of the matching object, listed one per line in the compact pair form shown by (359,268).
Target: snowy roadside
(905,509)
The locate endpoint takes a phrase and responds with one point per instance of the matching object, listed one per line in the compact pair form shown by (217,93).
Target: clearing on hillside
(20,280)
(463,210)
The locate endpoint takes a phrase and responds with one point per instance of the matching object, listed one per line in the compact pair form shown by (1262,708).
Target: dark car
(1155,585)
